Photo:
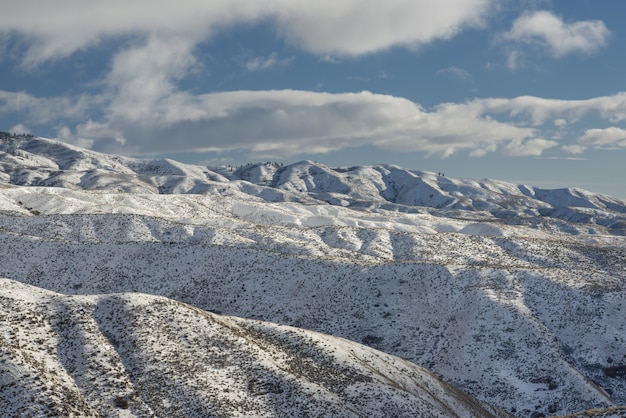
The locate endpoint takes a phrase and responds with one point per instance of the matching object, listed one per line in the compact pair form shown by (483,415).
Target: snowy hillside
(513,294)
(139,355)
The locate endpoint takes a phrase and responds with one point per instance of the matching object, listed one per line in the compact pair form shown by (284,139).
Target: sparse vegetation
(515,300)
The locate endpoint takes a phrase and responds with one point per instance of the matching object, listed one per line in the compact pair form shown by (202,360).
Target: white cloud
(532,147)
(612,137)
(54,30)
(603,138)
(143,77)
(546,30)
(64,133)
(574,149)
(538,110)
(38,110)
(57,29)
(141,110)
(266,63)
(514,60)
(450,128)
(148,114)
(288,122)
(20,129)
(355,27)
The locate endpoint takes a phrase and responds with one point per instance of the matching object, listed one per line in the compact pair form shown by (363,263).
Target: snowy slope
(514,294)
(138,355)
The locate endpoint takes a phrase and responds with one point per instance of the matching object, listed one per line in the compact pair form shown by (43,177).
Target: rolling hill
(140,355)
(511,293)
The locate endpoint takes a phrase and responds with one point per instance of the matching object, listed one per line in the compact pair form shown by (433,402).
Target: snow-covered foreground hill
(513,294)
(140,355)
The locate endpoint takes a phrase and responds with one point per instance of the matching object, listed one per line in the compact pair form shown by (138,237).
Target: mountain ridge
(55,164)
(521,309)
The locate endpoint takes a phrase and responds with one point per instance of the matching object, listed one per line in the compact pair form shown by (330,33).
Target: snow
(135,355)
(511,293)
(483,229)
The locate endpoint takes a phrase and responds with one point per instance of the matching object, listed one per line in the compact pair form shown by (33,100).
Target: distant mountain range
(32,161)
(513,294)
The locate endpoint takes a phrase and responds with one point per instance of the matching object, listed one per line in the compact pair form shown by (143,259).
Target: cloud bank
(283,123)
(141,110)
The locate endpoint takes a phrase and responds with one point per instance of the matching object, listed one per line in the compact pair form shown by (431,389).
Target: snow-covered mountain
(511,293)
(32,161)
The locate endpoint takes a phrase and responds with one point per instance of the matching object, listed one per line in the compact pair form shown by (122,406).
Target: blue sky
(524,91)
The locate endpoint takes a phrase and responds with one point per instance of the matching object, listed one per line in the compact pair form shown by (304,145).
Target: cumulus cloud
(612,137)
(148,115)
(598,138)
(355,27)
(549,30)
(543,29)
